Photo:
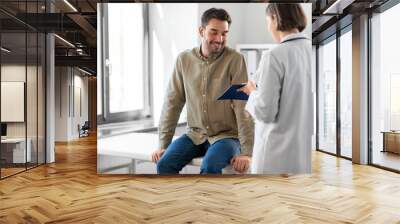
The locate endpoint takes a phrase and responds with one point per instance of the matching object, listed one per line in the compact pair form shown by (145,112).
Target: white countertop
(132,145)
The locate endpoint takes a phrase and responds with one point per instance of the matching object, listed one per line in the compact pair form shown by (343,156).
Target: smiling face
(213,37)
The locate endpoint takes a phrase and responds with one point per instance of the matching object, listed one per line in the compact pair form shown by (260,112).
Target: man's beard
(215,48)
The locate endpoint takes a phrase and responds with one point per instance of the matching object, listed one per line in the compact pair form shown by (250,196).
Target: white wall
(80,83)
(15,72)
(61,103)
(67,116)
(255,15)
(167,40)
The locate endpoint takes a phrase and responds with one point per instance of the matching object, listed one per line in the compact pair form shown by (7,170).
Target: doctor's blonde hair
(288,16)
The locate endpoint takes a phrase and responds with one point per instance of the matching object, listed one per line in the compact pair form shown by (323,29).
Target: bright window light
(126,46)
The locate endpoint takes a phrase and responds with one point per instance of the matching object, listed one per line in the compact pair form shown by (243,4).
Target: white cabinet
(252,54)
(17,147)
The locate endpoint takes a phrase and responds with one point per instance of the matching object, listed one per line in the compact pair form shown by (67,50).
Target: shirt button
(207,127)
(205,111)
(204,95)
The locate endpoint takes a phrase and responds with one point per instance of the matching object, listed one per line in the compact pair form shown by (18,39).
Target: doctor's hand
(248,88)
(241,163)
(157,155)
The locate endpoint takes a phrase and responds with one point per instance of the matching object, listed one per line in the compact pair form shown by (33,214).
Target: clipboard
(232,94)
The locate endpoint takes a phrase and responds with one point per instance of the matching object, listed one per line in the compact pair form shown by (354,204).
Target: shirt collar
(293,36)
(211,58)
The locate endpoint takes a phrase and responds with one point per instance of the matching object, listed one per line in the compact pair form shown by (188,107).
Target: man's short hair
(288,16)
(215,13)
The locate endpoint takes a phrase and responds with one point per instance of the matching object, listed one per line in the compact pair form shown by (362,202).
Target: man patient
(219,131)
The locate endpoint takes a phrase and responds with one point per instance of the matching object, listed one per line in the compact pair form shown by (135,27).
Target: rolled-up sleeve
(174,101)
(244,121)
(263,103)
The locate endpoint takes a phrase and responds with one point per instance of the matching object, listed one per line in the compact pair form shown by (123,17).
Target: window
(385,89)
(126,94)
(327,97)
(22,77)
(394,102)
(346,94)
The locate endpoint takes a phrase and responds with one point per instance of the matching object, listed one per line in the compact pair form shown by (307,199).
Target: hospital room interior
(161,41)
(133,103)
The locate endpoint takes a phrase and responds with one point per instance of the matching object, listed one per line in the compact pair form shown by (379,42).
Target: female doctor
(280,97)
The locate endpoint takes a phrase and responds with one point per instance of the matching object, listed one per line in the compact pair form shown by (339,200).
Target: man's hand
(241,163)
(157,155)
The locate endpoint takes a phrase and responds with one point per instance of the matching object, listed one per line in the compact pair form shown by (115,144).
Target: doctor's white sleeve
(256,76)
(263,102)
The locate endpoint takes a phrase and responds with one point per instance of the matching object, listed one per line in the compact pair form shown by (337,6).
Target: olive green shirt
(198,82)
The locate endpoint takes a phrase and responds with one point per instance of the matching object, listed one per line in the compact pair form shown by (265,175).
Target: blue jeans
(181,151)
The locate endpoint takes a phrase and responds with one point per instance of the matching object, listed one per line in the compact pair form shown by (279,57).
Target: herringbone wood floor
(70,191)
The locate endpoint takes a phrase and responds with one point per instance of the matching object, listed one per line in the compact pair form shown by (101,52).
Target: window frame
(41,37)
(381,9)
(334,37)
(106,116)
(342,32)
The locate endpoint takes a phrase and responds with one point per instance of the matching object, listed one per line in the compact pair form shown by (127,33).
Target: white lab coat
(282,107)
